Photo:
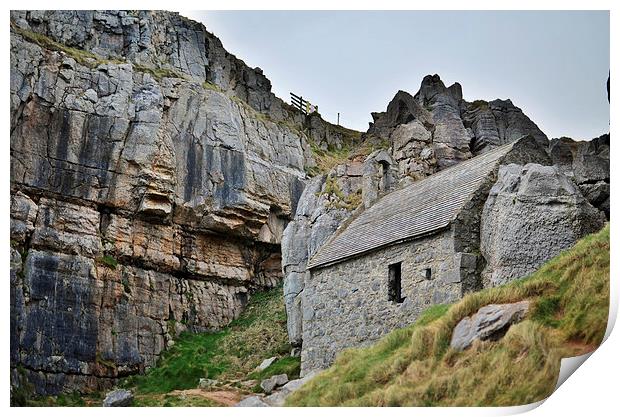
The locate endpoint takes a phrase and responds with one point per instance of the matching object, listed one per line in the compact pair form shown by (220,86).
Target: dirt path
(226,398)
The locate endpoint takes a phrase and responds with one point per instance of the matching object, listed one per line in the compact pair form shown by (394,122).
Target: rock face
(587,164)
(326,203)
(436,128)
(489,323)
(533,212)
(314,222)
(152,176)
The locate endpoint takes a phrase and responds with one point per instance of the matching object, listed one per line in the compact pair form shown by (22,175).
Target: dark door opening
(395,283)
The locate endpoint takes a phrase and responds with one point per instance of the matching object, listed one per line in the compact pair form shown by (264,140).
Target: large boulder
(491,322)
(533,212)
(118,398)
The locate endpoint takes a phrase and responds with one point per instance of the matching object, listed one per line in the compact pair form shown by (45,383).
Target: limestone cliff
(152,176)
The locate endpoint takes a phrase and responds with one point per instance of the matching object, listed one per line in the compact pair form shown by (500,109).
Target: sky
(551,64)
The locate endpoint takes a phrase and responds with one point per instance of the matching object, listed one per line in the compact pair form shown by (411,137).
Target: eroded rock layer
(152,176)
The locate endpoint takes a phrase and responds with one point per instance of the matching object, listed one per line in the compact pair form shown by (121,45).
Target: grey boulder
(491,322)
(532,213)
(253,401)
(265,364)
(118,398)
(268,385)
(277,398)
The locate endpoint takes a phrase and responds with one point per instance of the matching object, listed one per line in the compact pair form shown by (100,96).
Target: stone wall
(347,305)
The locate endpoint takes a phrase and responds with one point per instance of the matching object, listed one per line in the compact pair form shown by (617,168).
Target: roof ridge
(417,209)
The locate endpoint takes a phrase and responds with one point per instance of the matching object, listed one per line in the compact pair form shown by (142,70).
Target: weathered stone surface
(314,222)
(436,128)
(253,401)
(118,398)
(23,216)
(277,398)
(587,164)
(265,364)
(402,109)
(205,383)
(347,304)
(67,228)
(533,213)
(413,150)
(450,137)
(149,190)
(269,384)
(491,322)
(498,122)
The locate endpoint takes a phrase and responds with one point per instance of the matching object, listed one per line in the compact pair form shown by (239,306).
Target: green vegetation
(210,86)
(287,365)
(81,56)
(171,400)
(158,73)
(337,198)
(352,149)
(480,104)
(227,355)
(108,261)
(21,395)
(415,366)
(329,158)
(87,58)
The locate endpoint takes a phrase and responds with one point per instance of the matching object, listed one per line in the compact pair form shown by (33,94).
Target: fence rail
(303,105)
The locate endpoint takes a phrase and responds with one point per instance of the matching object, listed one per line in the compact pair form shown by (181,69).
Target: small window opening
(394,283)
(427,274)
(385,176)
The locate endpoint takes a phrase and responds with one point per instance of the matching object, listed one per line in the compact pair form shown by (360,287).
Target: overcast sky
(553,65)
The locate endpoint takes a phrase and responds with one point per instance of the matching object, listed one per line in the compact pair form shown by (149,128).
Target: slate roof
(423,207)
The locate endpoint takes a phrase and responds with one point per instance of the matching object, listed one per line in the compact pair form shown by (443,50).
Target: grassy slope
(414,366)
(229,355)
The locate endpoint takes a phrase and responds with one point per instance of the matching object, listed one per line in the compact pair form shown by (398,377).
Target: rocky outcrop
(437,128)
(491,322)
(587,164)
(497,122)
(533,212)
(277,398)
(152,177)
(314,222)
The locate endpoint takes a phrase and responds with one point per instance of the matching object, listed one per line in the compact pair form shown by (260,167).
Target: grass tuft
(108,261)
(87,58)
